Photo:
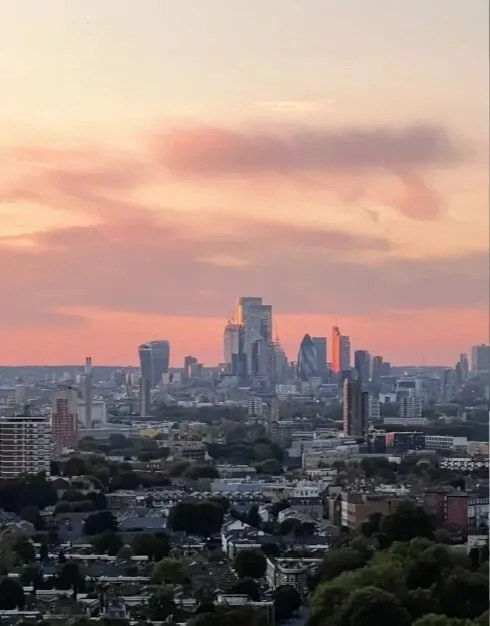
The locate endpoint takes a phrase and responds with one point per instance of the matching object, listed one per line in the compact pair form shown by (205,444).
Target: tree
(407,522)
(250,564)
(253,516)
(203,518)
(31,514)
(338,561)
(433,619)
(373,607)
(464,594)
(221,501)
(99,522)
(209,518)
(24,549)
(277,507)
(201,470)
(270,549)
(11,595)
(168,570)
(69,577)
(125,480)
(125,553)
(420,602)
(288,526)
(74,466)
(474,556)
(107,542)
(63,507)
(180,517)
(305,529)
(286,601)
(31,576)
(155,547)
(161,605)
(247,587)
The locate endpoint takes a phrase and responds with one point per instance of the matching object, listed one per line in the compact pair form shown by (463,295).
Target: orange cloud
(134,261)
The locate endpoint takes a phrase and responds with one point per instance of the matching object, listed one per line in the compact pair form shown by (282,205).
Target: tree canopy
(401,585)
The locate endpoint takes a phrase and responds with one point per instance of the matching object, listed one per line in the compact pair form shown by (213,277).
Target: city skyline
(158,168)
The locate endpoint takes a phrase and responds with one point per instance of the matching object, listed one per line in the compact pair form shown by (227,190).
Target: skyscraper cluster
(249,348)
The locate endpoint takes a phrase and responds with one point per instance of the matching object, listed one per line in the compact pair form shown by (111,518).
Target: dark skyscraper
(355,408)
(377,368)
(307,359)
(362,364)
(320,344)
(146,366)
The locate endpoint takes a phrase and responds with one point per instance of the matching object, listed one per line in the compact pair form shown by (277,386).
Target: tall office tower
(64,423)
(160,358)
(355,408)
(233,353)
(189,361)
(362,364)
(320,344)
(25,445)
(480,360)
(376,368)
(336,365)
(307,364)
(146,366)
(345,351)
(280,367)
(256,319)
(464,365)
(253,314)
(88,391)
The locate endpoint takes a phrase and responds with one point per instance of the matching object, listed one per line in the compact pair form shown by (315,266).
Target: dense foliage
(407,581)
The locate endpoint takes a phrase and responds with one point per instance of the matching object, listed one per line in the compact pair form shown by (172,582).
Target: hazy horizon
(159,161)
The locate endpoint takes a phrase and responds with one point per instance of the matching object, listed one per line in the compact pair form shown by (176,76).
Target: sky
(159,159)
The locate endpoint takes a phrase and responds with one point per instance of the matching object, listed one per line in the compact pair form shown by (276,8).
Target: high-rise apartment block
(25,445)
(64,423)
(355,408)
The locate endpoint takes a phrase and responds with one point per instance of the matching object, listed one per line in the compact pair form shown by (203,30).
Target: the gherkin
(307,366)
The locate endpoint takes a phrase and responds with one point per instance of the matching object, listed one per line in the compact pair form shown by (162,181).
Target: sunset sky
(160,158)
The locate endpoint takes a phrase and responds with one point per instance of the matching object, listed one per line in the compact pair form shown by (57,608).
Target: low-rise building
(355,507)
(445,442)
(289,571)
(188,450)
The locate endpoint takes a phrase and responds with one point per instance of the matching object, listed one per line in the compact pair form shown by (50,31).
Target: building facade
(64,417)
(25,445)
(355,408)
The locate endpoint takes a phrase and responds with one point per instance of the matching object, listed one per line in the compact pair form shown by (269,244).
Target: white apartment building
(25,445)
(445,442)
